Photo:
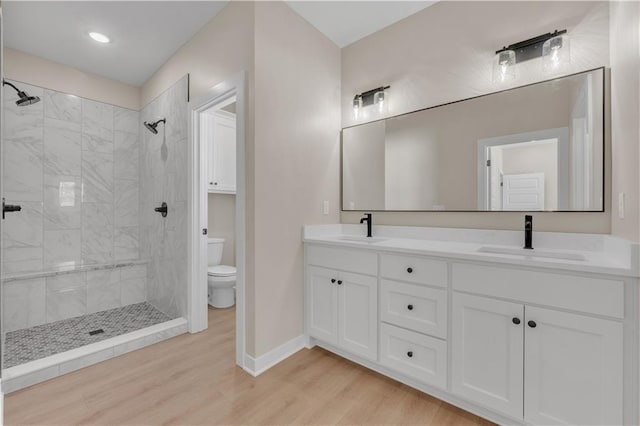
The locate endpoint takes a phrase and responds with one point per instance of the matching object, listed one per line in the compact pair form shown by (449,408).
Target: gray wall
(164,177)
(72,165)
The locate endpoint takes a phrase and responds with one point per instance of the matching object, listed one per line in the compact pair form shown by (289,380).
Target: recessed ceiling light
(100,38)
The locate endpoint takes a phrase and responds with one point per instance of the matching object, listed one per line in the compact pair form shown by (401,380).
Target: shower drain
(94,332)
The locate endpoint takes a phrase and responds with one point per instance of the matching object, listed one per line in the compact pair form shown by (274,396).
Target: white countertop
(603,254)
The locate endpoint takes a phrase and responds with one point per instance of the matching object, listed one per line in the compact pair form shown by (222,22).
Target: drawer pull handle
(532,324)
(339,282)
(516,321)
(410,354)
(333,280)
(410,307)
(410,270)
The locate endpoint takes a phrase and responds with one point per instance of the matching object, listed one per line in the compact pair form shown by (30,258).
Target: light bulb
(504,66)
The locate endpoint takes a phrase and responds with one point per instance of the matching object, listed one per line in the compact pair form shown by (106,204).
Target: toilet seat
(221,271)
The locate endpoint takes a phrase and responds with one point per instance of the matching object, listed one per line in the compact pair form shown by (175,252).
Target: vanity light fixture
(552,47)
(378,97)
(99,37)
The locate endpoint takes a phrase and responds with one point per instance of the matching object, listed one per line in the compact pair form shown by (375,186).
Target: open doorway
(218,209)
(524,171)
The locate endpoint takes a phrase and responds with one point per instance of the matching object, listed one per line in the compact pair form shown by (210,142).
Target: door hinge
(204,231)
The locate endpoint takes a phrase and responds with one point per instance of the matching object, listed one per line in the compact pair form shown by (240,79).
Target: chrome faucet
(528,232)
(368,218)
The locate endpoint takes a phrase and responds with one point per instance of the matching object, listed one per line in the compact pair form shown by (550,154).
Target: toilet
(221,279)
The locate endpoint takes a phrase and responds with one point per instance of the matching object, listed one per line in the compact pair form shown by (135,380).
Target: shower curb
(34,372)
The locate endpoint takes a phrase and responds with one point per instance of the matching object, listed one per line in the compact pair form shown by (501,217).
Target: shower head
(24,98)
(153,127)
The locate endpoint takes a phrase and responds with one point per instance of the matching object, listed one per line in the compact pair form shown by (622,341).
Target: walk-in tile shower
(87,257)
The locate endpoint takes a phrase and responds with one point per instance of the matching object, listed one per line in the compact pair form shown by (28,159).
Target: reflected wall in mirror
(533,148)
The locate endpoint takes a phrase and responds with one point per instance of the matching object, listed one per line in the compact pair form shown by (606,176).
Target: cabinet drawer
(413,306)
(360,261)
(414,269)
(415,355)
(592,295)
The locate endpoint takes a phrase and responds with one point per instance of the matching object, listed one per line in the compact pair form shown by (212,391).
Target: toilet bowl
(221,279)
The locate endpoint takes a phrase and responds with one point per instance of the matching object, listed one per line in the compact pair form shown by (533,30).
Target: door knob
(410,307)
(410,354)
(410,270)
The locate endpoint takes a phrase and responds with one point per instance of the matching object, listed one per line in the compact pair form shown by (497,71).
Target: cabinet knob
(532,324)
(210,183)
(409,270)
(410,307)
(215,183)
(333,280)
(516,321)
(410,354)
(339,282)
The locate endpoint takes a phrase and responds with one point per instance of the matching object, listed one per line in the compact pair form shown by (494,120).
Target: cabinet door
(322,315)
(358,315)
(206,136)
(224,154)
(573,369)
(487,358)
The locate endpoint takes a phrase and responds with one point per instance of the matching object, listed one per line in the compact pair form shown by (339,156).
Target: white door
(322,316)
(487,358)
(358,314)
(224,153)
(523,192)
(573,369)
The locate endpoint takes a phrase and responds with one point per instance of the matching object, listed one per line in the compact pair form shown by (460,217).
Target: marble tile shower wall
(164,177)
(72,164)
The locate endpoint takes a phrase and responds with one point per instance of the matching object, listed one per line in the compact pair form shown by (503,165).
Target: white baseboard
(258,365)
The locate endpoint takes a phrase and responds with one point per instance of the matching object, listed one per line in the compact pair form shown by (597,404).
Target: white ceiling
(345,22)
(144,34)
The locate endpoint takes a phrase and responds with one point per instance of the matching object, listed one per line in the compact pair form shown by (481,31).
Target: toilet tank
(214,251)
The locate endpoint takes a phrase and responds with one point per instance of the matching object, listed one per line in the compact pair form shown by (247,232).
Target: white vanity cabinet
(342,307)
(515,344)
(219,130)
(544,365)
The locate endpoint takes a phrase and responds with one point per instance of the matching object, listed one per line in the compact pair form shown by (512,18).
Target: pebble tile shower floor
(41,341)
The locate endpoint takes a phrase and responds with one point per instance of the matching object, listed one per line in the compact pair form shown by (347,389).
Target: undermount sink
(532,253)
(359,239)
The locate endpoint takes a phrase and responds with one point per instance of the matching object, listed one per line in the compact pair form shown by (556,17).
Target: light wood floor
(192,379)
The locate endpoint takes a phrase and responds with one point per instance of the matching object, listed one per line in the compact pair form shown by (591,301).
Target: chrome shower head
(153,127)
(24,98)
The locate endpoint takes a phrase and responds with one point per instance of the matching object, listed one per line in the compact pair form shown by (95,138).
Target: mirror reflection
(533,148)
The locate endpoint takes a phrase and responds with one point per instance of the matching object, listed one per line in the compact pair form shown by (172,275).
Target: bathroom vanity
(543,336)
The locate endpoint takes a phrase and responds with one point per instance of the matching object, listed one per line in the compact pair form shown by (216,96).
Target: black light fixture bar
(531,48)
(367,97)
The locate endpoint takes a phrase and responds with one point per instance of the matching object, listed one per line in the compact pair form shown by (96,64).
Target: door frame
(198,201)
